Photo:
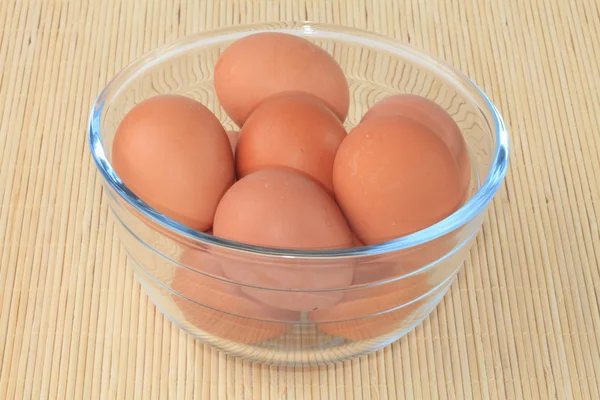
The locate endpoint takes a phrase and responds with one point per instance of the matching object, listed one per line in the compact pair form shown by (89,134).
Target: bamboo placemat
(522,321)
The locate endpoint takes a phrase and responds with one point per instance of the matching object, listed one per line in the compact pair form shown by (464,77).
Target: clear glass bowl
(299,307)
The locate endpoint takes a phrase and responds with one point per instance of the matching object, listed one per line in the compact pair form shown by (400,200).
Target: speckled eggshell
(434,117)
(287,210)
(292,130)
(393,176)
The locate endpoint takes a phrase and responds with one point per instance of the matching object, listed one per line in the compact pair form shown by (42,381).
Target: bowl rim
(476,204)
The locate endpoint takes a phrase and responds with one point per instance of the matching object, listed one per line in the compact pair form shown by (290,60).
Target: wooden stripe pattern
(522,320)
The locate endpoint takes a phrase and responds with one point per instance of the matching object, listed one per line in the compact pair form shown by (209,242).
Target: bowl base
(328,351)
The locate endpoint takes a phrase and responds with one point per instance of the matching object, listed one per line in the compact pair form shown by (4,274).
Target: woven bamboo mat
(522,321)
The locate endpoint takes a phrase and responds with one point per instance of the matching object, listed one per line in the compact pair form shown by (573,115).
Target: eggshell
(173,153)
(413,259)
(392,176)
(356,242)
(435,118)
(201,261)
(284,209)
(258,66)
(234,137)
(355,316)
(292,130)
(223,310)
(291,286)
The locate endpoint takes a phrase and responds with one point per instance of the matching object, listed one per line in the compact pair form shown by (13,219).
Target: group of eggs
(292,178)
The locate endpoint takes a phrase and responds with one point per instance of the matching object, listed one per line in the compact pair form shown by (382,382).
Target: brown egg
(223,310)
(234,137)
(292,130)
(255,67)
(356,242)
(173,153)
(291,285)
(281,208)
(392,176)
(412,259)
(354,317)
(202,261)
(434,117)
(284,209)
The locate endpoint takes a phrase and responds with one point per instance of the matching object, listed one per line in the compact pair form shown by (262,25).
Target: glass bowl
(290,307)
